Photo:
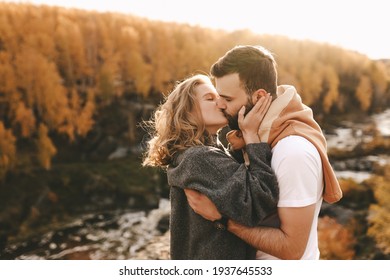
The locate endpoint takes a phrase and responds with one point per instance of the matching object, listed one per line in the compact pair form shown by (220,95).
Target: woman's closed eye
(211,97)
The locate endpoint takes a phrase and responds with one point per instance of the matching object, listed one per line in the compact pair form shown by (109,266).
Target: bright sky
(359,25)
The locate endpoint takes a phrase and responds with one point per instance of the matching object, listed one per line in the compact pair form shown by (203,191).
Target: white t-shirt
(297,165)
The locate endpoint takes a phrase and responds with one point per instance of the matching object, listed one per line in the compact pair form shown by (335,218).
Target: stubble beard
(233,119)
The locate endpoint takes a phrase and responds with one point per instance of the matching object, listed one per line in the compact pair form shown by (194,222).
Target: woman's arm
(245,194)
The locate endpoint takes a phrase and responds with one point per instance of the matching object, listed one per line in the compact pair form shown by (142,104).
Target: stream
(349,136)
(105,236)
(121,234)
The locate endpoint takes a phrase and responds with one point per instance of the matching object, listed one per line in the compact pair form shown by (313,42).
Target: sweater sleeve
(245,195)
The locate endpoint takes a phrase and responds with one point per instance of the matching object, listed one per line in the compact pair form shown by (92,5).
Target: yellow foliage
(26,119)
(379,216)
(7,76)
(39,81)
(84,121)
(380,229)
(332,84)
(364,92)
(7,150)
(335,241)
(311,82)
(349,185)
(46,148)
(379,77)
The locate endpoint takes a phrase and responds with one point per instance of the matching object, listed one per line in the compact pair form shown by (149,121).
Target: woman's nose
(221,103)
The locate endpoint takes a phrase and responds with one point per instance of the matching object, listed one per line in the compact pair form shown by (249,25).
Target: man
(299,158)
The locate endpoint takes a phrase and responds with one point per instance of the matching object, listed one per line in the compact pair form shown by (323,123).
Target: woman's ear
(257,95)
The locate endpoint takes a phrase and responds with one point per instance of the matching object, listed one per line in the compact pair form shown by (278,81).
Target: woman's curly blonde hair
(177,124)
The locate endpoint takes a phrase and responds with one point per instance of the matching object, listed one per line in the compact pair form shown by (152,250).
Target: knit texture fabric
(246,194)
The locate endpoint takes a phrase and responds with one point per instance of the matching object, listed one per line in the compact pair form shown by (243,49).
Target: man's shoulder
(294,146)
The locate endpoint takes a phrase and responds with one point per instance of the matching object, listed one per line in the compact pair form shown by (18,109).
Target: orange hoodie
(286,116)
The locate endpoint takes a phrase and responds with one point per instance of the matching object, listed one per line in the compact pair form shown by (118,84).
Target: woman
(184,140)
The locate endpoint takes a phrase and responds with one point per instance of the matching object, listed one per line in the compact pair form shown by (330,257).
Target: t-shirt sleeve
(297,165)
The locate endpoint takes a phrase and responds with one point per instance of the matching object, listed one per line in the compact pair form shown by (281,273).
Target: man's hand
(287,242)
(202,205)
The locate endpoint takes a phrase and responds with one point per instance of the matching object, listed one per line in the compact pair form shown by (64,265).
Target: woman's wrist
(251,138)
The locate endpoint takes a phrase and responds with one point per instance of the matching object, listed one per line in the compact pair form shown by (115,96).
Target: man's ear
(258,94)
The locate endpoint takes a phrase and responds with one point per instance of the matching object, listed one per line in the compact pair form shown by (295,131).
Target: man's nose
(221,103)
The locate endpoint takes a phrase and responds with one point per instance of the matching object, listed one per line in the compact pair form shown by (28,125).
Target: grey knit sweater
(246,195)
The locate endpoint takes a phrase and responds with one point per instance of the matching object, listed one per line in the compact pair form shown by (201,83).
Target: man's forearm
(272,241)
(287,242)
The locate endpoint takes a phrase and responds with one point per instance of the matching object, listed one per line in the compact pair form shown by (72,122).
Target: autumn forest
(67,75)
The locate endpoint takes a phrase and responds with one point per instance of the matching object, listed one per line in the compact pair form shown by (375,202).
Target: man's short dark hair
(255,66)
